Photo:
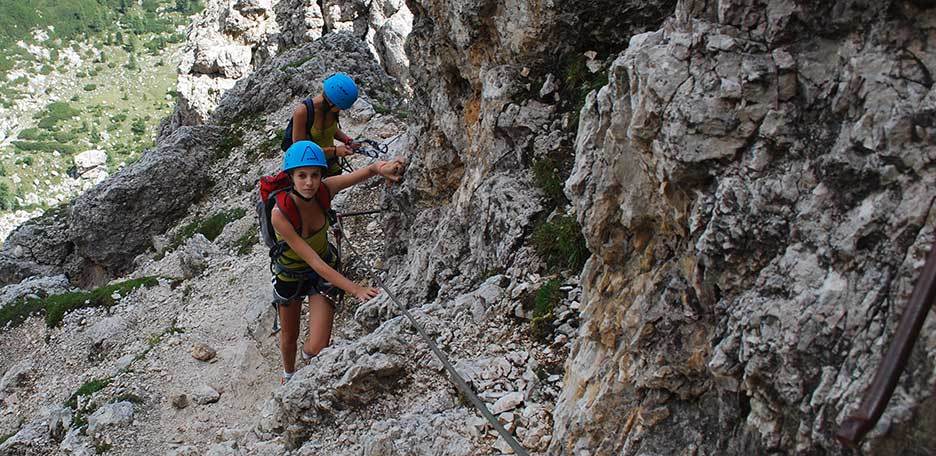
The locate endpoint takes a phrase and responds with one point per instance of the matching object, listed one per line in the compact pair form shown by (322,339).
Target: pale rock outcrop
(34,287)
(228,41)
(469,194)
(17,376)
(223,43)
(341,376)
(109,416)
(90,165)
(757,195)
(439,433)
(299,73)
(300,22)
(390,24)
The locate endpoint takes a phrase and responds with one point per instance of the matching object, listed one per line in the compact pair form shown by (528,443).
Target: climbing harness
(453,373)
(854,428)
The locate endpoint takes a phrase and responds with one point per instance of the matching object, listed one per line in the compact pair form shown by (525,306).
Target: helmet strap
(294,192)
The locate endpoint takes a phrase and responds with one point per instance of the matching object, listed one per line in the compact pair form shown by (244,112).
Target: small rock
(502,446)
(507,402)
(17,375)
(549,86)
(506,417)
(124,362)
(180,401)
(205,395)
(60,419)
(202,352)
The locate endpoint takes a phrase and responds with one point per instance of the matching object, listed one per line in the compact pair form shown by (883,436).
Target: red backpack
(274,191)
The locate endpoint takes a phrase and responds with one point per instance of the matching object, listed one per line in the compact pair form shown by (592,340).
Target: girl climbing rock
(302,269)
(316,119)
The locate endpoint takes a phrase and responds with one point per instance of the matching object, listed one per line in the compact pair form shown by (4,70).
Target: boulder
(152,193)
(341,376)
(109,417)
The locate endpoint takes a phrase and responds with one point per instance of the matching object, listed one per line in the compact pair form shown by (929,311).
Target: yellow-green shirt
(326,138)
(292,261)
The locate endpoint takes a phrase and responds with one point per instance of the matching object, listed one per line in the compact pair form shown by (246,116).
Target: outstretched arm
(300,114)
(285,229)
(391,170)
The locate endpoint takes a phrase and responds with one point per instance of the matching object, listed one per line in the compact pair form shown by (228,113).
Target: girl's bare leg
(321,317)
(289,333)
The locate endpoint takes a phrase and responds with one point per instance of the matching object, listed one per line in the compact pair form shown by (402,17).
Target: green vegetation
(87,389)
(102,447)
(55,307)
(232,139)
(210,227)
(578,82)
(90,87)
(70,18)
(546,176)
(5,437)
(560,243)
(138,126)
(42,146)
(245,243)
(7,198)
(54,113)
(543,304)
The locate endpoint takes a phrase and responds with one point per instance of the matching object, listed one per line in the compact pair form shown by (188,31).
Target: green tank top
(292,261)
(326,138)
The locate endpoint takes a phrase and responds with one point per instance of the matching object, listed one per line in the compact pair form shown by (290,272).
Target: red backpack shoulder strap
(324,197)
(288,207)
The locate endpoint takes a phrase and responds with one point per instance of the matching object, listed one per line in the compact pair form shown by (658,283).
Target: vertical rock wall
(755,184)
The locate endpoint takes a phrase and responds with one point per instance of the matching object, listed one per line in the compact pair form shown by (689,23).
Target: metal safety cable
(453,373)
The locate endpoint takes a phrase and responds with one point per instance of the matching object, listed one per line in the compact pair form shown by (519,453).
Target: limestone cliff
(755,183)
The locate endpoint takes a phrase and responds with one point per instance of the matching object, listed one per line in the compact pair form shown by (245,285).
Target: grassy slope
(109,98)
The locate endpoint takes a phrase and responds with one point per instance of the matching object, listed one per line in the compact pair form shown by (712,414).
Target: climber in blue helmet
(304,269)
(338,94)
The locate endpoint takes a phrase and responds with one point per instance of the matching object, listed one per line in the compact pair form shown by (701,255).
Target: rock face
(228,42)
(340,377)
(38,247)
(114,221)
(757,191)
(753,179)
(222,46)
(299,72)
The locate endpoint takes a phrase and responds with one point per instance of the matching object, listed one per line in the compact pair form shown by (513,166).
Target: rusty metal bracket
(856,425)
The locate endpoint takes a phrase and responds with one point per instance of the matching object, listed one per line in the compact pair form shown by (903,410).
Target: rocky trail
(189,365)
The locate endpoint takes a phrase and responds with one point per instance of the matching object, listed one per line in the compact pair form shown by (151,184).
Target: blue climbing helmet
(304,153)
(340,90)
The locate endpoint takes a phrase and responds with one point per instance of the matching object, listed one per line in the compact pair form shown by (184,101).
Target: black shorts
(284,291)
